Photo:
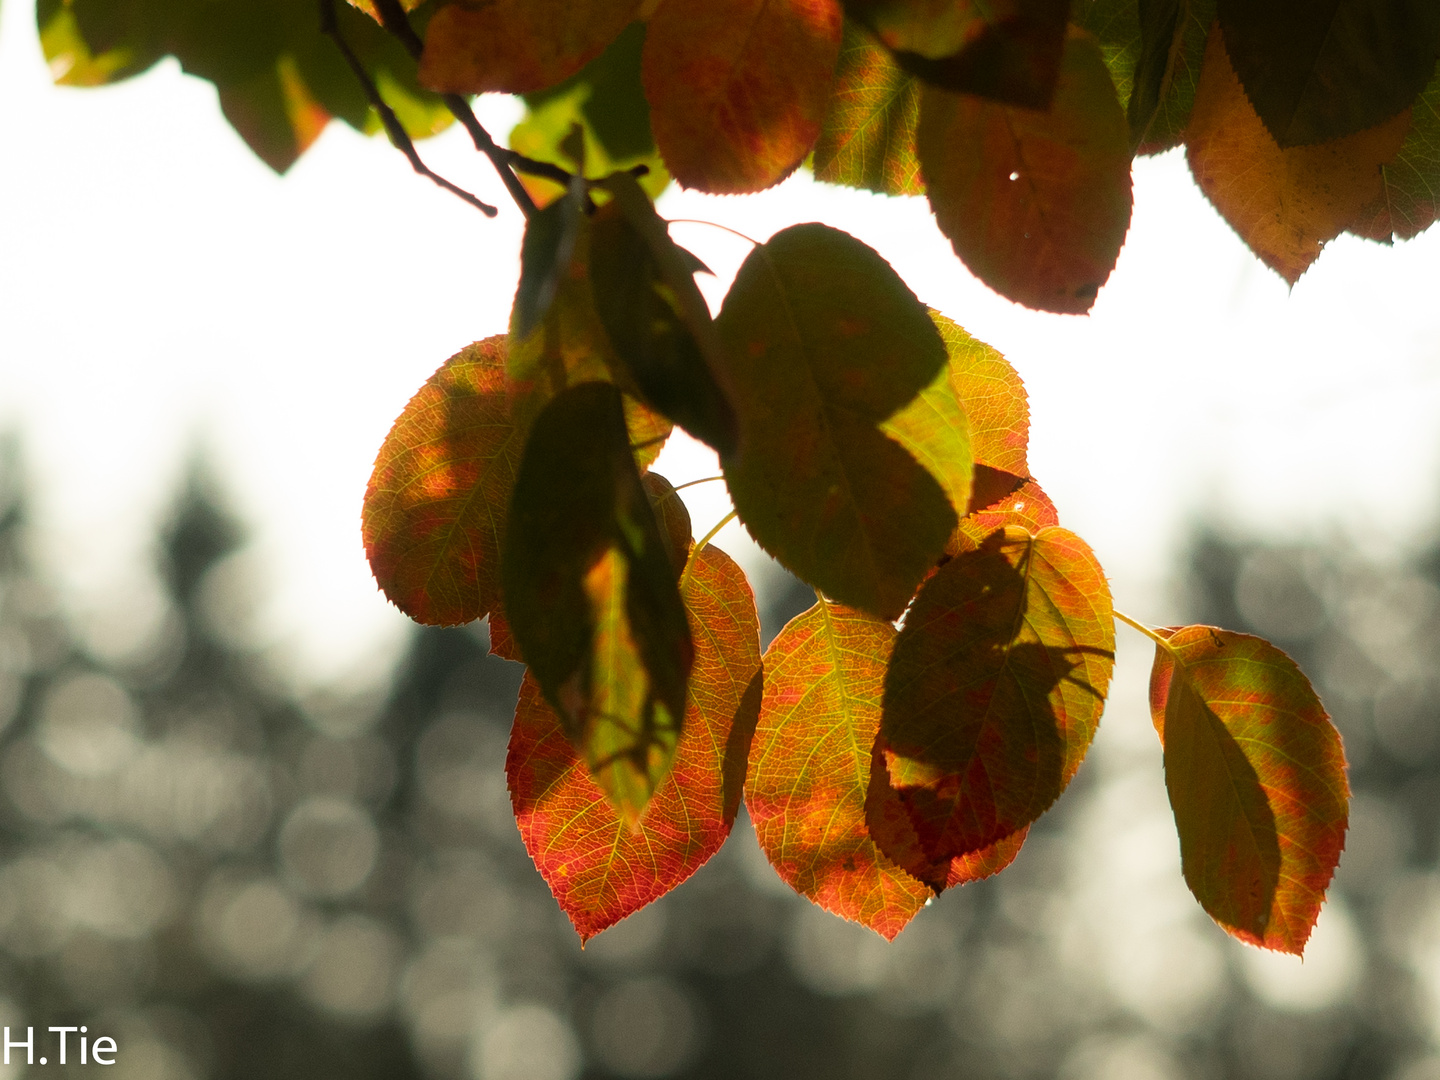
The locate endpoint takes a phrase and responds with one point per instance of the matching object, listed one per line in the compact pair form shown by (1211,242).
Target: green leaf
(868,137)
(933,428)
(824,344)
(992,394)
(545,256)
(1323,69)
(657,320)
(1256,775)
(1035,204)
(591,596)
(1409,200)
(996,686)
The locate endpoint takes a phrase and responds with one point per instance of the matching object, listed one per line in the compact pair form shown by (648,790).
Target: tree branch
(399,138)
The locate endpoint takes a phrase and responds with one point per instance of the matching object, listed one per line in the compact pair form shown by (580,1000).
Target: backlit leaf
(274,113)
(516,46)
(935,432)
(1285,204)
(1026,506)
(1409,199)
(868,137)
(545,257)
(1317,70)
(598,867)
(1036,204)
(992,394)
(996,686)
(810,767)
(672,516)
(591,597)
(1004,50)
(436,503)
(1256,774)
(737,88)
(825,343)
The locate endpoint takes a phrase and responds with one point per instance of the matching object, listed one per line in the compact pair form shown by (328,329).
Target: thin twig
(1136,624)
(396,130)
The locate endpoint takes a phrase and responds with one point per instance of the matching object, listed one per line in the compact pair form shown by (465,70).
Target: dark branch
(396,130)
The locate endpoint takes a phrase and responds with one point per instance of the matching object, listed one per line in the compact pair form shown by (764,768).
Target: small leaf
(1035,204)
(992,394)
(591,597)
(996,687)
(1409,199)
(436,503)
(1285,204)
(598,867)
(1256,774)
(1326,69)
(868,137)
(657,321)
(274,112)
(810,767)
(545,256)
(1004,50)
(516,46)
(825,343)
(672,516)
(1025,506)
(737,88)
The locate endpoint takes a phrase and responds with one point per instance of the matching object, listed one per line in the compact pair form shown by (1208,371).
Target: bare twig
(396,130)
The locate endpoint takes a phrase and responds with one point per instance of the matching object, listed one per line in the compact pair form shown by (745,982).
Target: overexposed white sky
(160,289)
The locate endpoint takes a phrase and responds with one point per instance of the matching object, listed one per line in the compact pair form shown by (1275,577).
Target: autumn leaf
(737,88)
(1409,198)
(992,394)
(1026,507)
(598,867)
(810,767)
(545,257)
(934,430)
(824,343)
(1286,204)
(1004,50)
(515,46)
(996,687)
(868,137)
(1036,204)
(591,597)
(1325,69)
(435,507)
(1256,774)
(275,113)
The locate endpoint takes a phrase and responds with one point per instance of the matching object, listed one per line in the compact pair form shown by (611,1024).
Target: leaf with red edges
(737,88)
(810,767)
(1027,507)
(996,686)
(599,869)
(437,499)
(1256,774)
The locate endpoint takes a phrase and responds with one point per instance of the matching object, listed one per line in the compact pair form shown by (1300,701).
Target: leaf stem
(399,137)
(1135,624)
(714,225)
(702,480)
(695,551)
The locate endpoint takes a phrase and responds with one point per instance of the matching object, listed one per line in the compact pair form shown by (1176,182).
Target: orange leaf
(810,767)
(436,503)
(1256,774)
(599,869)
(1036,204)
(1285,204)
(516,46)
(738,88)
(1026,506)
(993,396)
(996,687)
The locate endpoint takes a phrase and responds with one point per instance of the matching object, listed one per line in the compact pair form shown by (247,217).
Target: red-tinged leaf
(825,344)
(275,113)
(591,597)
(1256,774)
(437,499)
(598,867)
(1409,199)
(516,46)
(810,767)
(888,821)
(993,396)
(1285,204)
(502,641)
(672,516)
(996,686)
(868,137)
(368,6)
(1026,506)
(737,88)
(1036,204)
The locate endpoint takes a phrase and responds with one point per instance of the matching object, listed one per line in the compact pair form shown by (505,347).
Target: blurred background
(254,824)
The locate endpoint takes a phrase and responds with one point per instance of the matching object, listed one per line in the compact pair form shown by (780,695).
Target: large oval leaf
(599,867)
(825,343)
(996,687)
(1256,774)
(591,597)
(810,767)
(435,507)
(1036,204)
(737,88)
